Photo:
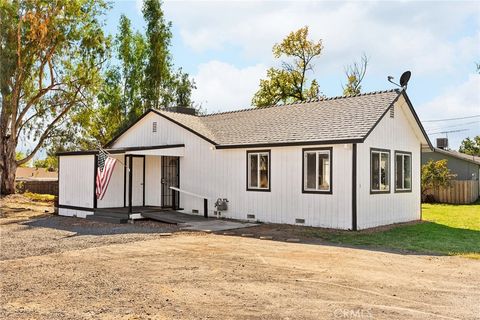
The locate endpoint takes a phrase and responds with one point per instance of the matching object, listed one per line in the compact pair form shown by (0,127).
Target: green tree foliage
(164,87)
(51,55)
(289,83)
(435,174)
(355,74)
(19,155)
(470,146)
(50,163)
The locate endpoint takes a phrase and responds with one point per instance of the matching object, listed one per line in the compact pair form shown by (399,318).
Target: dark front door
(170,178)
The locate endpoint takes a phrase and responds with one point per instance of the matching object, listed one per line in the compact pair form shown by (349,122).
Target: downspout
(354,187)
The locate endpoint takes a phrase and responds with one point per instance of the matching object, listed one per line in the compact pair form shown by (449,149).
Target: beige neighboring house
(26,173)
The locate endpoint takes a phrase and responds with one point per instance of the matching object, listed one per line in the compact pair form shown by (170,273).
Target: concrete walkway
(196,222)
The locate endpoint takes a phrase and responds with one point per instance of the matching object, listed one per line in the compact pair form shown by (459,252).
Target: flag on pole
(106,165)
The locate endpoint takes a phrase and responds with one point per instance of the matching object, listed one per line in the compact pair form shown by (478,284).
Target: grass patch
(39,197)
(445,230)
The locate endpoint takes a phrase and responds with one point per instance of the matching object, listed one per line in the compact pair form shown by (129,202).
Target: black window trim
(269,170)
(330,149)
(389,171)
(395,173)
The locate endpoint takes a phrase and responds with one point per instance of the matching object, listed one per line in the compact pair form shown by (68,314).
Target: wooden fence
(38,186)
(460,192)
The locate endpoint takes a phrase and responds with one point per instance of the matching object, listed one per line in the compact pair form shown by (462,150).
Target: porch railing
(205,199)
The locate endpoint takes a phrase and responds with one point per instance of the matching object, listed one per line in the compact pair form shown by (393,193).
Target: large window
(379,171)
(258,170)
(317,170)
(403,171)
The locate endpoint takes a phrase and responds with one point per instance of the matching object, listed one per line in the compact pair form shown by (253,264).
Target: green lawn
(446,229)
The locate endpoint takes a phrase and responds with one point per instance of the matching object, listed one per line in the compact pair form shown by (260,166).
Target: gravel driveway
(67,268)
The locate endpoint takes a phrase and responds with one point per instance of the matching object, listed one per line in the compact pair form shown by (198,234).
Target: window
(317,170)
(403,171)
(258,170)
(379,171)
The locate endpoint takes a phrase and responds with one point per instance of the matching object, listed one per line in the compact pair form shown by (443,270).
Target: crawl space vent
(301,221)
(250,216)
(194,211)
(154,127)
(392,112)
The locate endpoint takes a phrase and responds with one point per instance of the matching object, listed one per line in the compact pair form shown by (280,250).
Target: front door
(138,181)
(170,178)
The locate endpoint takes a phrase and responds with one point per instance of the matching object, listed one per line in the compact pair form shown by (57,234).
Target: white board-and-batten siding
(75,189)
(222,173)
(394,134)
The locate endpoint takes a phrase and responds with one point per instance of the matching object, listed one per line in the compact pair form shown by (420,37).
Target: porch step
(108,219)
(106,213)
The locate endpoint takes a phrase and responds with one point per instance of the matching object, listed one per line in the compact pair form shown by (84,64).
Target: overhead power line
(454,125)
(450,119)
(451,131)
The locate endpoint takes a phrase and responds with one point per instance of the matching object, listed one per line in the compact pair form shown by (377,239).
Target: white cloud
(455,102)
(222,86)
(394,34)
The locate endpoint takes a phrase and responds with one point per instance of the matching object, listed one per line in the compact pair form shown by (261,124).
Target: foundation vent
(300,221)
(194,211)
(250,216)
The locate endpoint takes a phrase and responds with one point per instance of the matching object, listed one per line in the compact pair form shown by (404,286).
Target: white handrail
(189,193)
(205,199)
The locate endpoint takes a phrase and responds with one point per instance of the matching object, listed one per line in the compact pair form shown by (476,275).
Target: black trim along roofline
(285,144)
(163,116)
(118,150)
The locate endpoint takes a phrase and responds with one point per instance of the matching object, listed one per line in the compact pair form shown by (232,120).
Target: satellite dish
(404,79)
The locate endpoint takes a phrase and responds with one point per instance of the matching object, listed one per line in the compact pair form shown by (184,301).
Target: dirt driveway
(51,268)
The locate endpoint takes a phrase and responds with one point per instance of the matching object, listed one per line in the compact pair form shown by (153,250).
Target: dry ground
(64,268)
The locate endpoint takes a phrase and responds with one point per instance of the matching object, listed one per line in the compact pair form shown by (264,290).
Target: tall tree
(289,83)
(132,54)
(159,62)
(355,74)
(471,146)
(51,54)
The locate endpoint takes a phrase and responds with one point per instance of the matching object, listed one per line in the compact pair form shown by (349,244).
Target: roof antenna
(403,80)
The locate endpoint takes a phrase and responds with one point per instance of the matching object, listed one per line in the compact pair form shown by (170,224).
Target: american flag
(106,165)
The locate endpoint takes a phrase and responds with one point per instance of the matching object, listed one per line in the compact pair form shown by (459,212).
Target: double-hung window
(258,170)
(317,170)
(379,171)
(403,171)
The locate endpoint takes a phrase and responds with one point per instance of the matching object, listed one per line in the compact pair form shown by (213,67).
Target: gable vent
(154,127)
(392,112)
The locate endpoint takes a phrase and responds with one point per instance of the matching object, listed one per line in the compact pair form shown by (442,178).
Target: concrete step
(119,215)
(108,219)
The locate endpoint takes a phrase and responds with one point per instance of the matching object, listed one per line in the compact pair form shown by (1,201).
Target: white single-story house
(346,162)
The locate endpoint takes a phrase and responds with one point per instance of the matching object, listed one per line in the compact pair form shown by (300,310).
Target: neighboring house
(36,180)
(27,173)
(466,168)
(344,163)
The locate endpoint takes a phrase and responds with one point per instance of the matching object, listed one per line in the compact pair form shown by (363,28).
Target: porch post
(130,167)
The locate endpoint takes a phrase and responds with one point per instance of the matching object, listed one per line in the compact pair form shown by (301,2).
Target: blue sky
(226,47)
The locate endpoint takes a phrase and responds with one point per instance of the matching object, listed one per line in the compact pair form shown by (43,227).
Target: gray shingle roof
(329,119)
(459,155)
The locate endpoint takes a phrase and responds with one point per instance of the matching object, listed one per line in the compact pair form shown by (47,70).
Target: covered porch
(141,182)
